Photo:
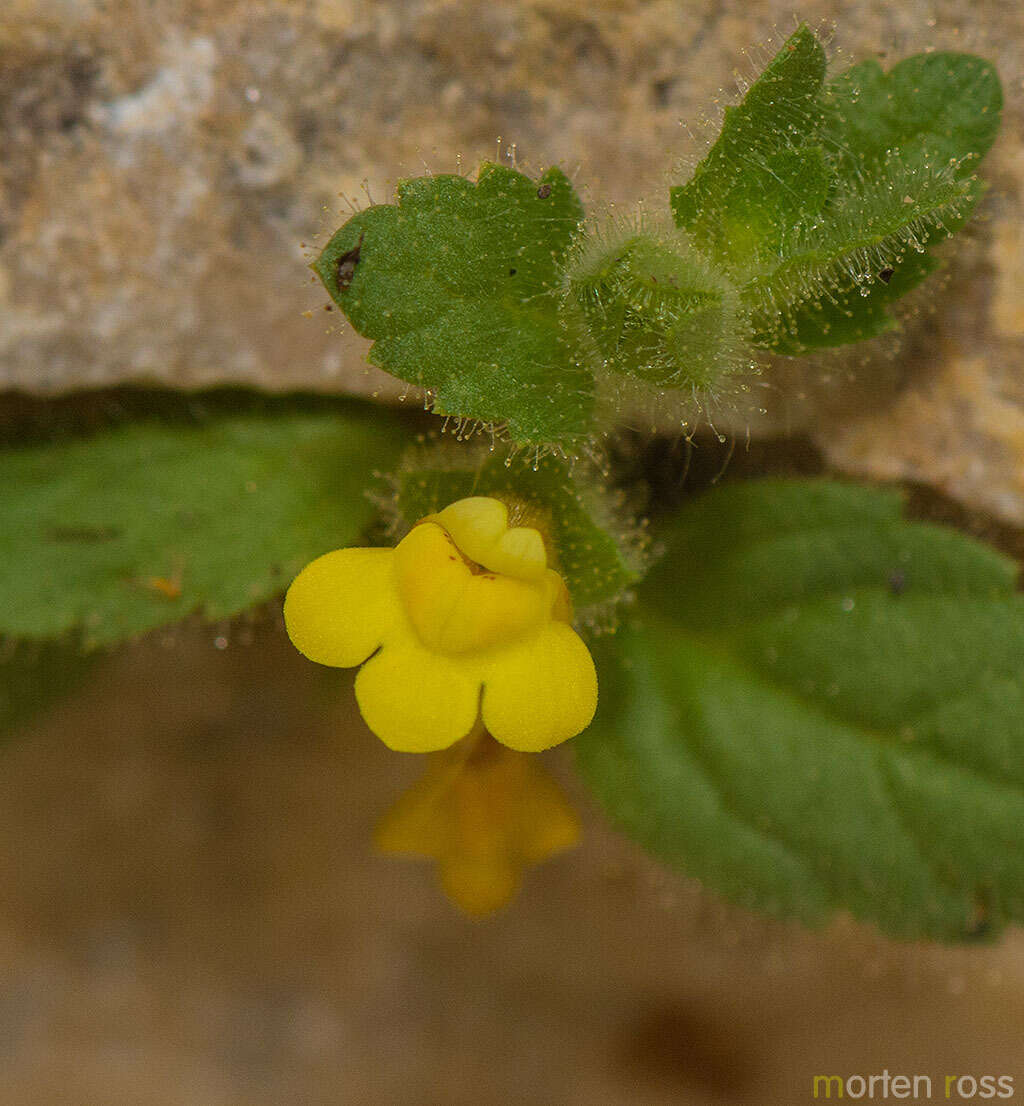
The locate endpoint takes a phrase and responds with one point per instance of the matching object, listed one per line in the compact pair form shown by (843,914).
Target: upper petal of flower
(479,527)
(340,606)
(540,691)
(475,524)
(455,610)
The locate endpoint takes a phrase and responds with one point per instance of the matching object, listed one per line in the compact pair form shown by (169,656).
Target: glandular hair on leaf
(657,315)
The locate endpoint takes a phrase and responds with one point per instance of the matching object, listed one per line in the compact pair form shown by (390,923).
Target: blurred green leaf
(821,708)
(457,285)
(136,527)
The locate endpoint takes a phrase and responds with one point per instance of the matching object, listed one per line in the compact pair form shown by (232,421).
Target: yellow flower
(485,814)
(463,620)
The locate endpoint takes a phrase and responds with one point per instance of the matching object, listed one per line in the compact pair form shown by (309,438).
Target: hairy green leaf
(903,147)
(821,708)
(855,309)
(823,198)
(596,553)
(136,527)
(656,310)
(872,247)
(456,284)
(766,172)
(938,110)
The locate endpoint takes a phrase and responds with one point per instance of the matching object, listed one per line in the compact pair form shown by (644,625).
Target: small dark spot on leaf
(982,926)
(897,582)
(347,264)
(544,191)
(981,930)
(511,272)
(328,306)
(886,275)
(83,534)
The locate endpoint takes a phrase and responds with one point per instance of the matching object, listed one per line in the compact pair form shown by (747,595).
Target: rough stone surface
(169,168)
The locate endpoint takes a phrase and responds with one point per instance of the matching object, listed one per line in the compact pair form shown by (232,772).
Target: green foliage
(901,149)
(810,216)
(856,308)
(879,230)
(818,705)
(597,555)
(766,173)
(136,527)
(656,310)
(822,199)
(936,109)
(457,286)
(821,708)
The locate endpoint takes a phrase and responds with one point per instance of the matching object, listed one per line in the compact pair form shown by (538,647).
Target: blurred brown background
(192,916)
(190,912)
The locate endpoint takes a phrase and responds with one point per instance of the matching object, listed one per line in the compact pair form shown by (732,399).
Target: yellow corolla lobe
(484,814)
(445,638)
(479,527)
(341,605)
(455,610)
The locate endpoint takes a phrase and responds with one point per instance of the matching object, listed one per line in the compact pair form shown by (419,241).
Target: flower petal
(479,527)
(519,552)
(475,524)
(416,701)
(479,885)
(341,605)
(456,611)
(540,691)
(550,825)
(484,812)
(420,821)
